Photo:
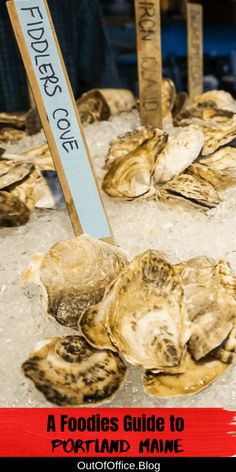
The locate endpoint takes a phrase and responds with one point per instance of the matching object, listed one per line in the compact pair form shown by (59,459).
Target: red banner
(117,432)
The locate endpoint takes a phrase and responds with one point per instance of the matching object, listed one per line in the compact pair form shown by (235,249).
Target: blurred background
(97,38)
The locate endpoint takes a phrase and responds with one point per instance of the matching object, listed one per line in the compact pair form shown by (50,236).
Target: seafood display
(154,314)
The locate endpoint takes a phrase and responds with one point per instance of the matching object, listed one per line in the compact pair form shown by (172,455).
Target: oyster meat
(68,371)
(129,175)
(145,314)
(197,376)
(209,291)
(13,212)
(183,147)
(74,275)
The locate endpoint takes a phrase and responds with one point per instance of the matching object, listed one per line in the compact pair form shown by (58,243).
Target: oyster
(129,175)
(34,192)
(219,136)
(74,275)
(197,376)
(191,190)
(12,172)
(68,371)
(13,212)
(209,291)
(223,160)
(227,351)
(183,147)
(130,142)
(13,120)
(11,135)
(40,156)
(93,107)
(219,98)
(218,180)
(118,100)
(203,115)
(145,314)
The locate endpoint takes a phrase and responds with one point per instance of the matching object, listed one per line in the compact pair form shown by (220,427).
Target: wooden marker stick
(195,49)
(37,41)
(148,28)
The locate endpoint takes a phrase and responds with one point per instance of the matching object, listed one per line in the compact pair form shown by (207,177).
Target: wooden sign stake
(148,28)
(195,49)
(38,44)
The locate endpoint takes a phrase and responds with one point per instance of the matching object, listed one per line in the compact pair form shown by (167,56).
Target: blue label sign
(62,118)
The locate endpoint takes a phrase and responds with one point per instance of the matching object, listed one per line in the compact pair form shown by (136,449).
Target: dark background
(97,38)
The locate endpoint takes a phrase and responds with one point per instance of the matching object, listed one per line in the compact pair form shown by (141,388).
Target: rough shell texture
(190,189)
(216,137)
(129,142)
(227,351)
(14,120)
(68,371)
(34,192)
(39,156)
(75,274)
(129,176)
(13,212)
(209,291)
(203,115)
(93,107)
(198,376)
(220,98)
(223,160)
(183,147)
(12,172)
(145,314)
(218,180)
(11,135)
(118,100)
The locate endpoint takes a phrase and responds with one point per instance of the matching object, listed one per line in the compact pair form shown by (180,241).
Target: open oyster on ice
(73,275)
(70,372)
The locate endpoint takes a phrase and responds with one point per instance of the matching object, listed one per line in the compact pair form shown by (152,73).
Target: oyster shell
(227,351)
(183,147)
(209,291)
(223,160)
(74,275)
(68,371)
(130,142)
(197,376)
(13,212)
(93,107)
(40,156)
(180,104)
(129,176)
(118,100)
(33,122)
(13,120)
(191,190)
(218,180)
(13,172)
(219,136)
(34,192)
(219,98)
(11,135)
(145,314)
(203,115)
